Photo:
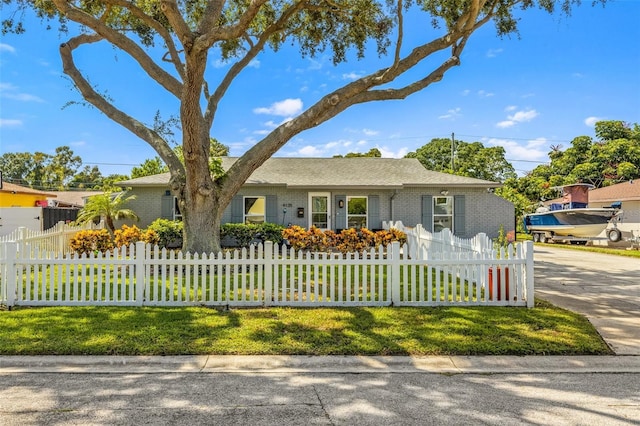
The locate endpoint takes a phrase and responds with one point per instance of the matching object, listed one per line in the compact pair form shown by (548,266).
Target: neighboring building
(71,199)
(339,193)
(12,195)
(629,194)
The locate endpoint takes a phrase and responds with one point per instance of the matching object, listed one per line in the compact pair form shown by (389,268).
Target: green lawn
(543,330)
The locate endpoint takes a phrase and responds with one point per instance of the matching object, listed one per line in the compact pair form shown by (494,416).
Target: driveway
(605,288)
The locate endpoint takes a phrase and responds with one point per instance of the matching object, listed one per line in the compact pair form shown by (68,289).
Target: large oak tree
(189,30)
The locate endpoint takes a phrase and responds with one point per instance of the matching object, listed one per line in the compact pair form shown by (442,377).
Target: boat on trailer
(572,219)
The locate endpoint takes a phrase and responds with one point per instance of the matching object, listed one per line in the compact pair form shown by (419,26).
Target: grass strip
(543,330)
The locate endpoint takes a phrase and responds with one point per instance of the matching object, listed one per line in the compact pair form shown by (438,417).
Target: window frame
(450,215)
(366,210)
(244,213)
(311,212)
(175,211)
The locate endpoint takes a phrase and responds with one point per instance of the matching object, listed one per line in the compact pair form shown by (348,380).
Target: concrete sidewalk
(319,364)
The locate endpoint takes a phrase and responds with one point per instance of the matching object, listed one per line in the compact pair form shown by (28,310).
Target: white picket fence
(265,275)
(55,239)
(424,244)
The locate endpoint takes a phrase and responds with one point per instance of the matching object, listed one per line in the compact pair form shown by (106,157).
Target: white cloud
(351,76)
(492,53)
(219,63)
(511,108)
(532,150)
(263,132)
(465,92)
(285,108)
(7,48)
(484,94)
(78,143)
(309,151)
(369,132)
(8,122)
(591,121)
(9,91)
(451,114)
(387,153)
(254,63)
(518,117)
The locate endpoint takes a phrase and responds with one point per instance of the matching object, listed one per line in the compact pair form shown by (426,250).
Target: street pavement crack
(324,410)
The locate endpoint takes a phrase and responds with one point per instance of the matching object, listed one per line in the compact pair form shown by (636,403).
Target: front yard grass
(543,330)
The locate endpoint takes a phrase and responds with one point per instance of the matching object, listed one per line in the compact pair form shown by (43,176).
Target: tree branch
(95,99)
(165,79)
(236,68)
(159,28)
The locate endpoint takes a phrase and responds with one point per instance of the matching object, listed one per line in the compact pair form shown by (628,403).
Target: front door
(320,210)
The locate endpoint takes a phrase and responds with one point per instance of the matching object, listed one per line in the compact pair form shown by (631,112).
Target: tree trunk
(202,217)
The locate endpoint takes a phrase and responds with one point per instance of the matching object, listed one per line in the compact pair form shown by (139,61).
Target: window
(177,215)
(357,212)
(319,208)
(442,213)
(254,209)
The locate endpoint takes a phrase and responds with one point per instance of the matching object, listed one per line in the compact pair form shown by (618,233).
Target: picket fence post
(139,258)
(268,272)
(395,272)
(11,250)
(528,251)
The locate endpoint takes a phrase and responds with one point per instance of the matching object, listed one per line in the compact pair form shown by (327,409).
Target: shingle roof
(73,198)
(338,172)
(13,188)
(625,191)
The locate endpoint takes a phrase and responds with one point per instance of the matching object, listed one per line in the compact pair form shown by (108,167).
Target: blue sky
(526,94)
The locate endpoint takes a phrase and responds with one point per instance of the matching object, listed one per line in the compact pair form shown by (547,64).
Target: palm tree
(107,206)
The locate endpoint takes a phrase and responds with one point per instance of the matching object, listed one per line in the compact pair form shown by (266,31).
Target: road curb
(279,364)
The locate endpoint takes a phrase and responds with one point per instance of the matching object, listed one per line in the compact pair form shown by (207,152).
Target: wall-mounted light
(341,204)
(444,192)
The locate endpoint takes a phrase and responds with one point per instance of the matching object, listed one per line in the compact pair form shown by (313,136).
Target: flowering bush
(128,235)
(90,241)
(349,240)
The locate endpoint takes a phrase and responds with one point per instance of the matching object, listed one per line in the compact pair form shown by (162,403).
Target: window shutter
(427,212)
(459,215)
(373,212)
(166,207)
(237,209)
(271,213)
(341,213)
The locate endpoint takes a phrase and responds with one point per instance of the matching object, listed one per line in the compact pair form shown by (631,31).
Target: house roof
(625,191)
(73,198)
(12,188)
(338,172)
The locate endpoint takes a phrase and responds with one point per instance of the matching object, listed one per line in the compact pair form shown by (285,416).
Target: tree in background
(470,159)
(373,152)
(87,178)
(107,206)
(149,167)
(240,30)
(41,170)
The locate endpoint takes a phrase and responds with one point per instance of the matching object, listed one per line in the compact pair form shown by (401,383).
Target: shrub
(271,232)
(167,232)
(131,235)
(90,241)
(349,240)
(241,232)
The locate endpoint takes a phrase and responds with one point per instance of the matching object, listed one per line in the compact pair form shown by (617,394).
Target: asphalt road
(322,399)
(604,288)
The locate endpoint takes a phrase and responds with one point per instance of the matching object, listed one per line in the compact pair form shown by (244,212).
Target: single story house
(12,195)
(339,193)
(71,199)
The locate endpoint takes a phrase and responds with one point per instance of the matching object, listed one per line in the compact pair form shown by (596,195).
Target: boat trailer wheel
(614,235)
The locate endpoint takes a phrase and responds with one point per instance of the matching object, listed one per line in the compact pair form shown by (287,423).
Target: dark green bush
(169,232)
(244,234)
